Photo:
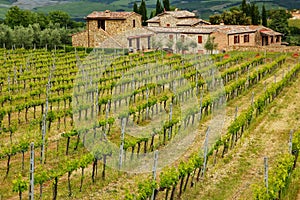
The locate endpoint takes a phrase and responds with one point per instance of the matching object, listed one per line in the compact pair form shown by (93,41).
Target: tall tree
(255,15)
(166,5)
(244,7)
(60,17)
(159,8)
(23,36)
(210,44)
(135,8)
(264,16)
(279,21)
(143,12)
(6,36)
(215,19)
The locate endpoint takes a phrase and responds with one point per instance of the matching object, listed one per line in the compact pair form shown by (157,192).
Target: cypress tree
(264,16)
(143,12)
(135,8)
(245,7)
(159,8)
(255,15)
(166,5)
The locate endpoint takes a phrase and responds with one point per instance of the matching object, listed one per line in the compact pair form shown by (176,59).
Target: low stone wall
(279,48)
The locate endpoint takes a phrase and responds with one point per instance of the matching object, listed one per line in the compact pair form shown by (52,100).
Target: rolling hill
(80,8)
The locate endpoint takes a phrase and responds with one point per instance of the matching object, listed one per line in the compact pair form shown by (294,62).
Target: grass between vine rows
(114,185)
(233,176)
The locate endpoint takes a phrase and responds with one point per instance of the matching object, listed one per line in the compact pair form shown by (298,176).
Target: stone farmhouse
(177,18)
(124,30)
(227,36)
(101,26)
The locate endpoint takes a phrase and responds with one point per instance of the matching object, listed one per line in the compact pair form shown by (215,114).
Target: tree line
(24,28)
(160,7)
(250,14)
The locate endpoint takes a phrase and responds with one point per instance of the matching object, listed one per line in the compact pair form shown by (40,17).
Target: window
(200,39)
(272,40)
(246,38)
(236,39)
(182,38)
(168,25)
(277,38)
(101,24)
(133,23)
(171,37)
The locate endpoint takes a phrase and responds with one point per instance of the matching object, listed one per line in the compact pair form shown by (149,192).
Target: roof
(109,15)
(179,14)
(154,20)
(235,29)
(184,30)
(191,22)
(270,33)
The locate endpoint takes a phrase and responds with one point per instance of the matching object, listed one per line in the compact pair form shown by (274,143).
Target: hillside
(80,8)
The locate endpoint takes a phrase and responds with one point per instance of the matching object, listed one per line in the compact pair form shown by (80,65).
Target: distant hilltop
(79,9)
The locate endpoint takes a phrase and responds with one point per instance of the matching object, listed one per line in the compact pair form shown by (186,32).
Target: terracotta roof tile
(179,13)
(155,19)
(109,15)
(183,30)
(191,22)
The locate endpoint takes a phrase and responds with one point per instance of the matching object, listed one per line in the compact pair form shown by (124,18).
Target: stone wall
(278,48)
(251,42)
(95,36)
(185,38)
(220,39)
(168,19)
(80,39)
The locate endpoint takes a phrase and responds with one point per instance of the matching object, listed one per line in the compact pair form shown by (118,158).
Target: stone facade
(169,37)
(124,30)
(234,36)
(175,18)
(102,26)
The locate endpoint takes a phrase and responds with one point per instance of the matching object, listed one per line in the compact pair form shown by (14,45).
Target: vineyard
(105,125)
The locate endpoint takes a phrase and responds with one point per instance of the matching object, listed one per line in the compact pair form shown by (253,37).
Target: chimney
(107,13)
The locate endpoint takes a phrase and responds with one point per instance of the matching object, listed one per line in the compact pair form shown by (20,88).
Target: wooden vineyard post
(197,90)
(236,112)
(252,99)
(291,142)
(44,125)
(248,75)
(200,109)
(122,143)
(97,101)
(205,151)
(31,176)
(257,77)
(147,107)
(48,88)
(154,172)
(170,120)
(266,174)
(275,78)
(265,86)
